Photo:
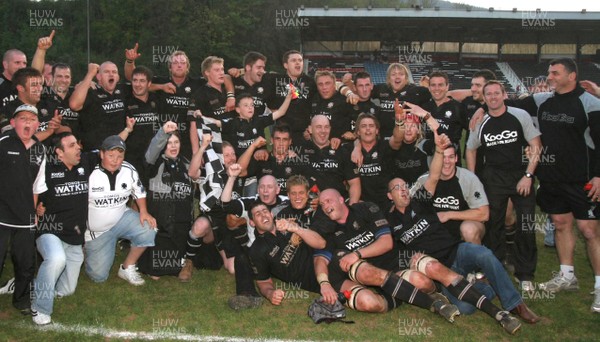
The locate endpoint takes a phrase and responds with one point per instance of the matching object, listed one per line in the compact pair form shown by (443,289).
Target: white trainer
(131,275)
(40,318)
(9,287)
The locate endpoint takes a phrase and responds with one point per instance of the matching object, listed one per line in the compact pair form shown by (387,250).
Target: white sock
(567,271)
(597,284)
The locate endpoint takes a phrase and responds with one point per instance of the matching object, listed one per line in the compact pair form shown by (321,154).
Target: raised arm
(435,169)
(129,123)
(424,115)
(246,157)
(159,141)
(196,163)
(284,106)
(233,171)
(81,89)
(130,56)
(39,57)
(399,129)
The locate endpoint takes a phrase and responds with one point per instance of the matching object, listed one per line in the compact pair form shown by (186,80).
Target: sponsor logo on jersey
(505,137)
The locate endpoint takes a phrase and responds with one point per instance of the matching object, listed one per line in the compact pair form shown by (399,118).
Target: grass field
(167,309)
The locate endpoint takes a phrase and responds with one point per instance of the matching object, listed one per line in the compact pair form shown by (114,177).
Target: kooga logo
(502,136)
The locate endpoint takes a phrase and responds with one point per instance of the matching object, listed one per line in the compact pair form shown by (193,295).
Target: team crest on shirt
(403,93)
(355,107)
(448,114)
(374,155)
(288,170)
(398,227)
(117,92)
(152,104)
(332,152)
(274,251)
(477,195)
(260,90)
(413,214)
(123,186)
(373,208)
(330,105)
(372,110)
(254,131)
(188,89)
(295,240)
(81,171)
(44,112)
(355,225)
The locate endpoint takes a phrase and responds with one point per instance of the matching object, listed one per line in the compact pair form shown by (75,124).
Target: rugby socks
(193,245)
(597,282)
(463,290)
(406,292)
(392,303)
(567,271)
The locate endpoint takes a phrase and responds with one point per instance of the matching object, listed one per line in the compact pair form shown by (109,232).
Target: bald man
(101,106)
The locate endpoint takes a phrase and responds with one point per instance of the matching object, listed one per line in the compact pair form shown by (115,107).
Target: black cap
(112,142)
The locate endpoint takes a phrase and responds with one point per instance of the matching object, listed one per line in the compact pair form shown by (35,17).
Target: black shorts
(337,276)
(563,198)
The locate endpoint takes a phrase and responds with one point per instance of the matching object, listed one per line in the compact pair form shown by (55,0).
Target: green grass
(200,308)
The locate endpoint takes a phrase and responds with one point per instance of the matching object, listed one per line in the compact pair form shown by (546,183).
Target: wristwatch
(528,174)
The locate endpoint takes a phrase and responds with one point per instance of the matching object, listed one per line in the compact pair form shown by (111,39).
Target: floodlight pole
(88,31)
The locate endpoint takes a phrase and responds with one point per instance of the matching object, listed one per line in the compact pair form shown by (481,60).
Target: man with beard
(61,228)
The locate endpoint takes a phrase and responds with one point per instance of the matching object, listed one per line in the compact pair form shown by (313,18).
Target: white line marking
(159,334)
